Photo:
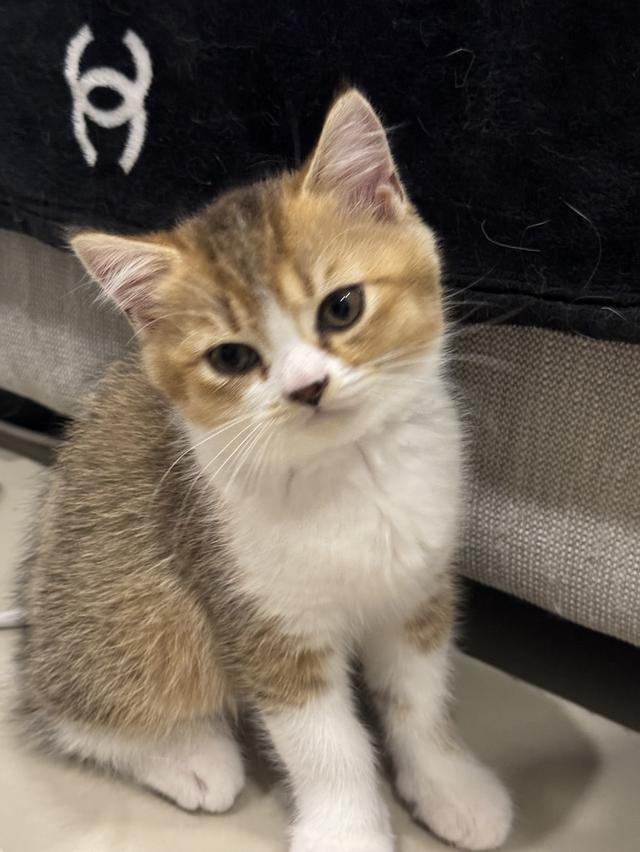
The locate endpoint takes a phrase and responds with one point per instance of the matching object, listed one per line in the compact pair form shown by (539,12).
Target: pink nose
(310,394)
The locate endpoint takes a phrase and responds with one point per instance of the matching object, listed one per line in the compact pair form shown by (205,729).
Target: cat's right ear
(127,268)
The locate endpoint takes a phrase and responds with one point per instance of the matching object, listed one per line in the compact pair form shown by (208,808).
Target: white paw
(309,841)
(207,777)
(461,801)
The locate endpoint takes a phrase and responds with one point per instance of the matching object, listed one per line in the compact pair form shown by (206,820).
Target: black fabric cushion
(516,126)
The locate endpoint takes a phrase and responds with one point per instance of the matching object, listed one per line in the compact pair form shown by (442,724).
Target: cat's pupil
(232,356)
(341,307)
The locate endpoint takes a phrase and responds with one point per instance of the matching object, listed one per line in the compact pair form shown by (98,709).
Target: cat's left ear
(353,160)
(128,269)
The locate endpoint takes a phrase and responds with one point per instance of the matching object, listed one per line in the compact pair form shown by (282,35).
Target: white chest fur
(358,536)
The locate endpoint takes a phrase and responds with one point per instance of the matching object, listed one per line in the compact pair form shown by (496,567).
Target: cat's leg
(332,768)
(407,668)
(201,769)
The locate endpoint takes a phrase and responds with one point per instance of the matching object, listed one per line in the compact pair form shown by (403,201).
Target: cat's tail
(13,618)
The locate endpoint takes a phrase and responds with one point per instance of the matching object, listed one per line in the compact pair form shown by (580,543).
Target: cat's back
(109,590)
(117,483)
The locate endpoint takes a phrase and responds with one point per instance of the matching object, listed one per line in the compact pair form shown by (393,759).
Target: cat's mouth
(330,412)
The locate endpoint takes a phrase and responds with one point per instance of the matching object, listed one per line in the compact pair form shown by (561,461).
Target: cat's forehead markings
(292,286)
(237,290)
(304,278)
(228,311)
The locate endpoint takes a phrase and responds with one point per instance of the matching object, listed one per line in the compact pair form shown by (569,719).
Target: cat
(266,489)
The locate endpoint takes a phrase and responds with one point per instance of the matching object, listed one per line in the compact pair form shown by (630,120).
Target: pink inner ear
(130,282)
(139,304)
(353,159)
(127,270)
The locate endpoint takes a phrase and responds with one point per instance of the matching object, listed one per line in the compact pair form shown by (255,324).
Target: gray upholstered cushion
(54,337)
(554,471)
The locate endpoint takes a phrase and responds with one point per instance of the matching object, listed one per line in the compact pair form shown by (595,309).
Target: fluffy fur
(210,542)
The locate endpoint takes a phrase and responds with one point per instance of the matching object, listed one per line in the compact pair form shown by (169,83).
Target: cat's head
(292,316)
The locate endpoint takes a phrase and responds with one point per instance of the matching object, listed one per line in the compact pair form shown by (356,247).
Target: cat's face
(292,316)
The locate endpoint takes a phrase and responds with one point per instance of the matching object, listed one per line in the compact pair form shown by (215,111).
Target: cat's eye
(341,309)
(233,359)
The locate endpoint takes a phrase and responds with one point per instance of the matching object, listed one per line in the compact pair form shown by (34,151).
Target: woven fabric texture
(55,339)
(554,471)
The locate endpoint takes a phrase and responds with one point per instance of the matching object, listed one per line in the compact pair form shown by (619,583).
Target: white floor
(575,776)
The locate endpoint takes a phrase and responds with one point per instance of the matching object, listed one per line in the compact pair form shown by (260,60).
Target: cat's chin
(327,430)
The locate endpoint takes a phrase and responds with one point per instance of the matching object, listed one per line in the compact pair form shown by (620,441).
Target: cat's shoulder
(123,417)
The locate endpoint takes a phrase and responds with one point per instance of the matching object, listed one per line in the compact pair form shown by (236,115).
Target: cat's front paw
(463,803)
(207,775)
(318,841)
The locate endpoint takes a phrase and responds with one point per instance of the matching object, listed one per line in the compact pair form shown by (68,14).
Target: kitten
(269,486)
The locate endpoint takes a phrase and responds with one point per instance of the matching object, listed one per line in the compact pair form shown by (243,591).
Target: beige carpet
(575,776)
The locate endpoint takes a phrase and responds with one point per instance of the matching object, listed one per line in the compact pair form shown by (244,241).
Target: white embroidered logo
(133,93)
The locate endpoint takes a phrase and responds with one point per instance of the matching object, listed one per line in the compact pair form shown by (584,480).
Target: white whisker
(244,455)
(193,447)
(233,454)
(256,470)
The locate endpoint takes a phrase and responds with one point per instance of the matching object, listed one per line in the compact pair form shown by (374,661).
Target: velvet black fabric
(515,124)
